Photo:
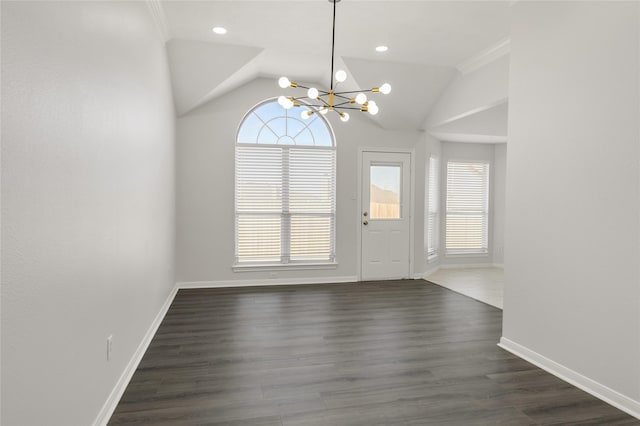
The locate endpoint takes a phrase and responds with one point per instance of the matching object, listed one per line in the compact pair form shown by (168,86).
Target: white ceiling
(427,40)
(426,32)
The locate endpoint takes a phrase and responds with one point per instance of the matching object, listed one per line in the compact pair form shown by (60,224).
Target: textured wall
(572,237)
(87,202)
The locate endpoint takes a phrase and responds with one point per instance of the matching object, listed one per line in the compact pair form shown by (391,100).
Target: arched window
(285,185)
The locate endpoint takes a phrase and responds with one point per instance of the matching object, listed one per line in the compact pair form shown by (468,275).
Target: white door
(385,216)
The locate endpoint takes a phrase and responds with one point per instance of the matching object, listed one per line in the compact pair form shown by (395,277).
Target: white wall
(488,126)
(499,201)
(197,72)
(481,89)
(572,291)
(454,151)
(87,202)
(205,170)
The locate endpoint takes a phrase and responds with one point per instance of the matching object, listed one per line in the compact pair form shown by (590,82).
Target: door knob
(365,214)
(365,223)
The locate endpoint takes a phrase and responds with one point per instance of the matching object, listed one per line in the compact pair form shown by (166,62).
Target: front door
(385,216)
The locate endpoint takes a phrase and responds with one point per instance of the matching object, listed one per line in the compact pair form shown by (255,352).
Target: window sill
(454,255)
(283,267)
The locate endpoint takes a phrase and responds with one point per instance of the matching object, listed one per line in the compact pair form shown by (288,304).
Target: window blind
(285,204)
(259,195)
(432,209)
(467,215)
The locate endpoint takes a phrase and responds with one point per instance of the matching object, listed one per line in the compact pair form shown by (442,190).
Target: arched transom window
(285,185)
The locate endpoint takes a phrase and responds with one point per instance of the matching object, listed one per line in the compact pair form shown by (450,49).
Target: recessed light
(219,30)
(382,48)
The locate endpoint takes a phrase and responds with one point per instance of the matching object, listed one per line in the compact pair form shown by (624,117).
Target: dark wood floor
(385,353)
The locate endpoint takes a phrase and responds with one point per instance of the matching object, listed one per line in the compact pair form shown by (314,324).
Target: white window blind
(285,189)
(467,216)
(311,204)
(432,210)
(259,196)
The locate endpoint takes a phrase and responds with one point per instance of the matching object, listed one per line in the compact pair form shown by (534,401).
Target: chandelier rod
(343,98)
(333,42)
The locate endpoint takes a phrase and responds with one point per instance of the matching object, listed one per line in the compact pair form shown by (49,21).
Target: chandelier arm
(342,103)
(303,99)
(353,91)
(343,97)
(353,108)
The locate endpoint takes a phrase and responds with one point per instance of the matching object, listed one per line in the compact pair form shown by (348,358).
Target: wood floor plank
(376,353)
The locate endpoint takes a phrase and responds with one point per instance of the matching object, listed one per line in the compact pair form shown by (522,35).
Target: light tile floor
(483,284)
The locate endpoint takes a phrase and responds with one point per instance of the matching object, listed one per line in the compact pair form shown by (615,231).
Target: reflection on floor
(483,284)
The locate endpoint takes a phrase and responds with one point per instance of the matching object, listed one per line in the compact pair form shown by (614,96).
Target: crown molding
(485,57)
(159,17)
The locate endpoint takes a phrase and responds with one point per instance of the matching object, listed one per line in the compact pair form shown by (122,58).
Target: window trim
(435,197)
(268,267)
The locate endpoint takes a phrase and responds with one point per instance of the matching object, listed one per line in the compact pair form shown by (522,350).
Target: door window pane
(385,194)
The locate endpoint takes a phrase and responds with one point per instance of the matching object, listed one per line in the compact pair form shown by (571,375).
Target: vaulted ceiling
(428,41)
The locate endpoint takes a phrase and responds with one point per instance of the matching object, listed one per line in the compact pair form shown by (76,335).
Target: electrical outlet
(109,346)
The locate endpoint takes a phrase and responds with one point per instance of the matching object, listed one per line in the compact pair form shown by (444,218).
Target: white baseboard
(266,282)
(112,402)
(435,269)
(424,275)
(600,391)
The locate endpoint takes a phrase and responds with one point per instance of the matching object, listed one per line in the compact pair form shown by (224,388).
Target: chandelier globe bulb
(373,108)
(284,82)
(312,93)
(361,98)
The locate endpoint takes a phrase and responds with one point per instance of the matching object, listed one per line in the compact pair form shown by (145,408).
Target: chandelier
(322,101)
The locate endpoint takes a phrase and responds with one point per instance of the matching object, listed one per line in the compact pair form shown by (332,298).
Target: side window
(467,216)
